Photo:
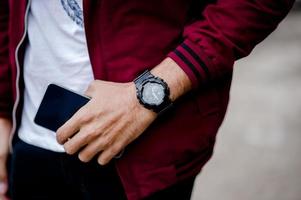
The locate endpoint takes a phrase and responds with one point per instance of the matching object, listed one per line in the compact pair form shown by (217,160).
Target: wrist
(176,79)
(157,89)
(152,92)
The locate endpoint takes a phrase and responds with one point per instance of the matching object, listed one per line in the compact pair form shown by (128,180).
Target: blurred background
(258,149)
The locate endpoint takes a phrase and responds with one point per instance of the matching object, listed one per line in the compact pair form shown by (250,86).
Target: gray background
(258,150)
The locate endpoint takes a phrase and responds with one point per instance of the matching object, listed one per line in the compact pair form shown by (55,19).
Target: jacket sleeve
(5,75)
(224,32)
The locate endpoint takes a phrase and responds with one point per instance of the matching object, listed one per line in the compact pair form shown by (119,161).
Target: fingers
(3,187)
(73,125)
(107,155)
(5,129)
(3,177)
(97,145)
(92,149)
(79,140)
(90,134)
(115,149)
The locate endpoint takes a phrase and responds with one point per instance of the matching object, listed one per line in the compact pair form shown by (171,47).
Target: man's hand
(113,117)
(5,129)
(107,123)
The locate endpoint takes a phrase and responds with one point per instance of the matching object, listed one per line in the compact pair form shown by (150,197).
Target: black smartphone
(58,105)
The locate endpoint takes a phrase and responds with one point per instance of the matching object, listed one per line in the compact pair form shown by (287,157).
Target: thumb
(3,178)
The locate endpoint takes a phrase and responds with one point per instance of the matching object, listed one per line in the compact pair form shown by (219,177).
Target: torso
(56,53)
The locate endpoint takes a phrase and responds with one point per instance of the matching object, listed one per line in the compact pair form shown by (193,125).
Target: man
(141,139)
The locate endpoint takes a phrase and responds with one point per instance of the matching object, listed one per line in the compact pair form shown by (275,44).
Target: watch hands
(154,93)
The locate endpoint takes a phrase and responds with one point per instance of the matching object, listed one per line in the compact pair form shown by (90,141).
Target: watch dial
(153,93)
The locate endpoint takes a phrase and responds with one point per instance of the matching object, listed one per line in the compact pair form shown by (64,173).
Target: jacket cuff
(191,59)
(6,115)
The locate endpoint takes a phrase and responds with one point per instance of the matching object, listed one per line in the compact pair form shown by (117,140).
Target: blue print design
(74,11)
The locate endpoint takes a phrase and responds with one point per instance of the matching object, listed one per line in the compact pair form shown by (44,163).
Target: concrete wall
(258,150)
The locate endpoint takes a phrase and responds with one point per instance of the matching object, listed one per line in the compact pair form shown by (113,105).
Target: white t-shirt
(56,53)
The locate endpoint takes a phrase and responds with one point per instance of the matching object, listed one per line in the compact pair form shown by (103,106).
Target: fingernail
(2,188)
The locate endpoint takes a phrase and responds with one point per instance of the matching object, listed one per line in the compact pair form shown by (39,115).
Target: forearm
(228,30)
(174,76)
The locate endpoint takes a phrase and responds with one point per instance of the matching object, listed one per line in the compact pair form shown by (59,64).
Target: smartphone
(58,105)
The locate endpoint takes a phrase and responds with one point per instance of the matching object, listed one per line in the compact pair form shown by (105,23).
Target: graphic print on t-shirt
(74,11)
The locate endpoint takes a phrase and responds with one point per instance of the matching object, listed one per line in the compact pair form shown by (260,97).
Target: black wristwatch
(153,92)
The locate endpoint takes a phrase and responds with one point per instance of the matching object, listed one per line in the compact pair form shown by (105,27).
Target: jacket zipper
(18,77)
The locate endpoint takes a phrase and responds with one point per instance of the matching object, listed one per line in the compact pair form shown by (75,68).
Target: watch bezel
(165,91)
(140,83)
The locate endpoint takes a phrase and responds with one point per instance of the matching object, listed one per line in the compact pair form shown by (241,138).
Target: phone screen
(58,105)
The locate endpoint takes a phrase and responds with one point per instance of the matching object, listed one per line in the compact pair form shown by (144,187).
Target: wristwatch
(153,92)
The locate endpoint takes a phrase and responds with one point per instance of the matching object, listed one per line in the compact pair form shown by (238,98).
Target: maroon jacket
(126,37)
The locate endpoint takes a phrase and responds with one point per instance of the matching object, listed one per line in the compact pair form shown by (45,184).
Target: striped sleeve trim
(197,58)
(189,64)
(188,57)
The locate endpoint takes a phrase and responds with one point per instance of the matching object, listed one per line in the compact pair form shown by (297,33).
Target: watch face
(153,93)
